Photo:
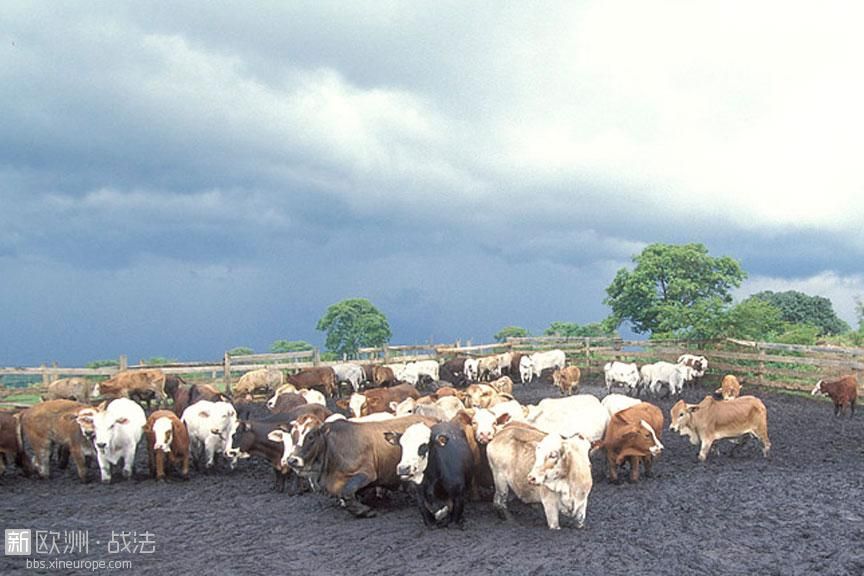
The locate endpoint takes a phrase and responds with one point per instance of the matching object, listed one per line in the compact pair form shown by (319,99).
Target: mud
(801,512)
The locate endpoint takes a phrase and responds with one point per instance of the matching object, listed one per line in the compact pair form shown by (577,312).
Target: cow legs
(458,513)
(80,462)
(502,490)
(550,507)
(851,408)
(649,466)
(706,447)
(580,511)
(634,468)
(613,467)
(349,496)
(104,467)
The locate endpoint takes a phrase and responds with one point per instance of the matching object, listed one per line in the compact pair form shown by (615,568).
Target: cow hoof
(442,514)
(106,481)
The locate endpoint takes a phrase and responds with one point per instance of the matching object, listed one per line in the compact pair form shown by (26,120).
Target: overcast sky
(178,180)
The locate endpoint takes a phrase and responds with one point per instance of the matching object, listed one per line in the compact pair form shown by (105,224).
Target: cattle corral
(801,512)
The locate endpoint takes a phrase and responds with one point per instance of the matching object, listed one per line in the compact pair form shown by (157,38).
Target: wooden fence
(766,364)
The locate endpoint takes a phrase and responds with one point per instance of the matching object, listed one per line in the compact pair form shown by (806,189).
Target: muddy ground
(802,512)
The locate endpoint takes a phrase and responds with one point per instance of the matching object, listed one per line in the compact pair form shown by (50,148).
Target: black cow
(444,452)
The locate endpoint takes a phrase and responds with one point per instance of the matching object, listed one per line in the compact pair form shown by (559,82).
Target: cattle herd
(448,432)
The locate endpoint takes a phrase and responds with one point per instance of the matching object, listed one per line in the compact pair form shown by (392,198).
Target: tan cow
(712,420)
(566,379)
(503,385)
(56,422)
(75,389)
(377,400)
(135,384)
(730,387)
(478,395)
(262,380)
(542,468)
(11,446)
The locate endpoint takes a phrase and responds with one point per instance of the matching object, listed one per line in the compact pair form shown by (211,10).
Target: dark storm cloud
(180,182)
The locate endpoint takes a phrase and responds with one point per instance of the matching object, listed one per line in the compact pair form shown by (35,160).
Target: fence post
(760,375)
(46,378)
(124,363)
(226,372)
(385,353)
(316,357)
(588,354)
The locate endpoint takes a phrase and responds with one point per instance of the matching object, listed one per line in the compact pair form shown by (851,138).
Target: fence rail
(789,366)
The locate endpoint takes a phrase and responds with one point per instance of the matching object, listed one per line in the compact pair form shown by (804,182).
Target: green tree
(281,346)
(352,324)
(240,351)
(511,332)
(574,330)
(668,283)
(799,308)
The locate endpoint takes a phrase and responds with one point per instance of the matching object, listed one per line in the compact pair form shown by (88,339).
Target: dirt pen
(801,512)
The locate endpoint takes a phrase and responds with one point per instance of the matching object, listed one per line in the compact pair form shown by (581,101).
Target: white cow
(654,376)
(549,360)
(621,374)
(351,373)
(488,368)
(313,396)
(699,364)
(544,468)
(117,431)
(428,369)
(210,425)
(581,414)
(471,369)
(616,402)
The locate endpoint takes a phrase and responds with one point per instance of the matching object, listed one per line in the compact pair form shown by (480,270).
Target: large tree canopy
(668,284)
(799,308)
(283,346)
(352,324)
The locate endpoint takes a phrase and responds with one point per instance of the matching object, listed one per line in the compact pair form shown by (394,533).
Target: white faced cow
(117,429)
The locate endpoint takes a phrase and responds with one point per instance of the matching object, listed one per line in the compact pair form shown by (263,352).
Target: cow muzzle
(295,462)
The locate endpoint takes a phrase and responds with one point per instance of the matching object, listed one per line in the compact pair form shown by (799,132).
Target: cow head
(404,408)
(549,461)
(818,388)
(284,437)
(486,423)
(163,434)
(637,439)
(681,416)
(415,451)
(85,422)
(104,425)
(241,437)
(357,405)
(479,395)
(96,390)
(305,454)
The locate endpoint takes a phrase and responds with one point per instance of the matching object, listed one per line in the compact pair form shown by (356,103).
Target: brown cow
(712,420)
(347,457)
(383,376)
(377,400)
(137,384)
(321,378)
(11,446)
(55,422)
(566,379)
(843,391)
(166,435)
(75,389)
(185,396)
(286,402)
(260,381)
(633,433)
(730,387)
